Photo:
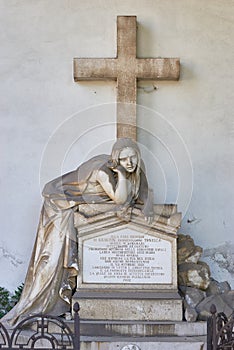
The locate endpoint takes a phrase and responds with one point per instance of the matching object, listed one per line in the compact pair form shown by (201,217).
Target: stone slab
(92,209)
(133,343)
(142,328)
(130,309)
(127,256)
(153,343)
(126,294)
(110,328)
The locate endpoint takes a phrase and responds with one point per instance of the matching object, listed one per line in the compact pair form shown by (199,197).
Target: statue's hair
(118,146)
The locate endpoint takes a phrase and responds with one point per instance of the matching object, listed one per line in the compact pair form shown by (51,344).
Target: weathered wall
(49,124)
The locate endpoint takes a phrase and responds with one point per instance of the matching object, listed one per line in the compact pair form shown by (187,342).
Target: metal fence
(42,332)
(220,331)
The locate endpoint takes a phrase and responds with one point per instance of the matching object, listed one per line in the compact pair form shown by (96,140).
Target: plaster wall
(49,124)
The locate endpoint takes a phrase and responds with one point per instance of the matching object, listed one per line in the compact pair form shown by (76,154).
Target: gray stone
(129,306)
(126,68)
(182,290)
(185,247)
(194,275)
(224,287)
(228,298)
(216,287)
(128,269)
(187,251)
(190,314)
(195,255)
(203,308)
(111,328)
(194,296)
(155,343)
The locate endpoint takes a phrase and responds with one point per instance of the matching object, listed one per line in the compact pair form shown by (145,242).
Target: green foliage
(4,301)
(17,293)
(8,300)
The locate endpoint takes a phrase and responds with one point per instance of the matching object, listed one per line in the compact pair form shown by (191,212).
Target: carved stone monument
(128,269)
(126,69)
(99,232)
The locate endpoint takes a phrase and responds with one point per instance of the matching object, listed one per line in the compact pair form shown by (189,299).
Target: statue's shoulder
(95,163)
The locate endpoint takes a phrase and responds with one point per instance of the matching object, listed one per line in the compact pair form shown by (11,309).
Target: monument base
(128,267)
(129,305)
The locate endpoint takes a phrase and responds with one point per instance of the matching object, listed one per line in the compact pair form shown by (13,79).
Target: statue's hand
(124,213)
(119,169)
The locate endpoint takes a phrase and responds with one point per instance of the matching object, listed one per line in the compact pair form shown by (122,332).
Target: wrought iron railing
(42,332)
(220,331)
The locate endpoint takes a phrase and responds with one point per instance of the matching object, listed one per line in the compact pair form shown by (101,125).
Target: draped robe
(51,276)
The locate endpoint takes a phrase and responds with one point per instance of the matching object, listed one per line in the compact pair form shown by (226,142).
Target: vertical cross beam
(126,69)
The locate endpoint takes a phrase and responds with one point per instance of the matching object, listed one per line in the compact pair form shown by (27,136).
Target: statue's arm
(120,193)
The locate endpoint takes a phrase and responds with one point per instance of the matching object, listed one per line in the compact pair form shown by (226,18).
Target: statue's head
(126,153)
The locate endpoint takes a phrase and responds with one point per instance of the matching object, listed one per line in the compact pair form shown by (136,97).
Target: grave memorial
(127,266)
(100,233)
(126,69)
(128,269)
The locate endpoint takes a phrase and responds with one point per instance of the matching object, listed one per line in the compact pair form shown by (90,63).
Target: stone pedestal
(128,268)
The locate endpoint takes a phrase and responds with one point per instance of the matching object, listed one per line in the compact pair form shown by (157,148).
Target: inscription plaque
(127,256)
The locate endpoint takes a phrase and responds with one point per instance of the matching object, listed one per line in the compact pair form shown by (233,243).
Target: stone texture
(195,255)
(194,296)
(126,68)
(194,275)
(128,270)
(228,298)
(224,287)
(155,343)
(160,309)
(97,220)
(190,314)
(187,251)
(216,287)
(198,289)
(185,247)
(203,308)
(137,328)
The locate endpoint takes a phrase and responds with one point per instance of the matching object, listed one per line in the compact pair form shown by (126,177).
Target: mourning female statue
(51,277)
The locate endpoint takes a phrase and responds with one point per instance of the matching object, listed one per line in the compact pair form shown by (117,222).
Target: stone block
(194,296)
(228,298)
(190,314)
(155,343)
(203,308)
(130,306)
(216,287)
(185,247)
(128,269)
(195,256)
(187,251)
(194,275)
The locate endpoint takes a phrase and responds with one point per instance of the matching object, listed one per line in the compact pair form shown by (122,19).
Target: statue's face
(128,159)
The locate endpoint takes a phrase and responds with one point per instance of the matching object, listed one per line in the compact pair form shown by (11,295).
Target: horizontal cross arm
(158,68)
(95,69)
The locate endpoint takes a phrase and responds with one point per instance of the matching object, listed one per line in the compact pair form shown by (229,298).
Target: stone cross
(126,68)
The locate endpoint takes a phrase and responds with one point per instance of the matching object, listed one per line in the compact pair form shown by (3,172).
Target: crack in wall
(223,255)
(221,261)
(11,257)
